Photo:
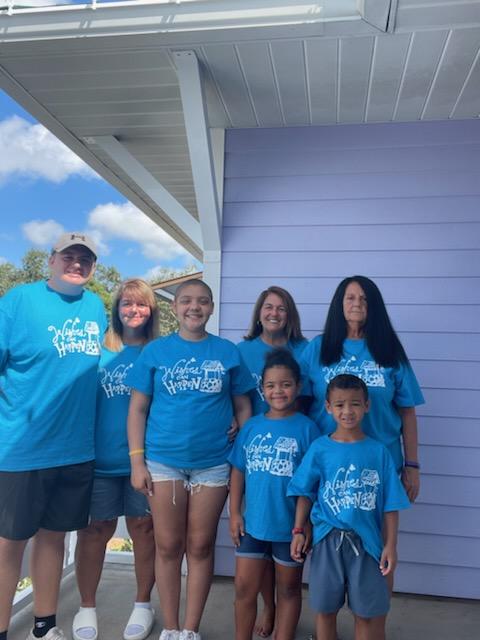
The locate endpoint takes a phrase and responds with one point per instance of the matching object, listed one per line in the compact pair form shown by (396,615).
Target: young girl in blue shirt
(265,455)
(187,387)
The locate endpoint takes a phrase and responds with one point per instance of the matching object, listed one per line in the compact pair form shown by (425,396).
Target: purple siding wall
(305,207)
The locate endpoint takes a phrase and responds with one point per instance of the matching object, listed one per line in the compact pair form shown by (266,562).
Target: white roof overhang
(143,90)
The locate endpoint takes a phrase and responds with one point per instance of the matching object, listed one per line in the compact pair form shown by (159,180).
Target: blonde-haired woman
(134,323)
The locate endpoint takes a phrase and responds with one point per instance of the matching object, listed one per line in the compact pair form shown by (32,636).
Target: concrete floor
(411,617)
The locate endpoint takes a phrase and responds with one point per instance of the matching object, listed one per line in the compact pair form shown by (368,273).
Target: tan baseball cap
(72,238)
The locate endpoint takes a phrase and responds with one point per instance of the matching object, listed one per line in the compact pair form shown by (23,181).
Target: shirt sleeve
(394,496)
(407,389)
(305,362)
(241,378)
(141,376)
(305,481)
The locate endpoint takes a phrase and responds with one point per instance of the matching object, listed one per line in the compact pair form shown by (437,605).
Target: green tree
(34,266)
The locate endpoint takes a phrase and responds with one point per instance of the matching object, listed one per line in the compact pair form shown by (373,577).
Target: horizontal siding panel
(447,346)
(456,375)
(453,582)
(460,403)
(269,261)
(448,461)
(441,520)
(267,162)
(333,187)
(354,136)
(410,291)
(461,432)
(440,550)
(402,237)
(367,211)
(450,491)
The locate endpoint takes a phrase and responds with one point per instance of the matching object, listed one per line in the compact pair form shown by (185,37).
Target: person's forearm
(302,512)
(242,408)
(137,416)
(409,433)
(237,487)
(390,529)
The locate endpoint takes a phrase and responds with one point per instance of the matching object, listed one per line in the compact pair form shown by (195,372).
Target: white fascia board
(199,146)
(176,212)
(138,16)
(13,88)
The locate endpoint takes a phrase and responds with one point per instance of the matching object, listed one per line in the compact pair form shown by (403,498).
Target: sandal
(139,624)
(85,626)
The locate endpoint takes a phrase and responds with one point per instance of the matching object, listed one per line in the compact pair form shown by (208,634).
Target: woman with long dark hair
(359,339)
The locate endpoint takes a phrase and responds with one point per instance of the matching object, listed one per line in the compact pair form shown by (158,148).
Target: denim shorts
(113,497)
(193,479)
(279,552)
(340,565)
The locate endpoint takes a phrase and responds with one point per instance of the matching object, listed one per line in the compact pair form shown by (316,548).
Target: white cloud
(42,233)
(31,150)
(126,222)
(3,260)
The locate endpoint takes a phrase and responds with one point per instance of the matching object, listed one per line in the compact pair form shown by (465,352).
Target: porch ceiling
(111,72)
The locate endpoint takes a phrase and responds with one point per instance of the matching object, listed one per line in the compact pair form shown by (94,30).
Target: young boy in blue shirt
(349,484)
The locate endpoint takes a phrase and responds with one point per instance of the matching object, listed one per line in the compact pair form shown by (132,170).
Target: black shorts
(57,499)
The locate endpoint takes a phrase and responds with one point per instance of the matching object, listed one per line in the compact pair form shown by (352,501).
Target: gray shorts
(114,497)
(340,565)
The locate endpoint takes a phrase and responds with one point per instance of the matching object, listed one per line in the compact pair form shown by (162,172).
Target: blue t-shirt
(254,352)
(351,485)
(113,398)
(192,385)
(49,353)
(268,451)
(388,389)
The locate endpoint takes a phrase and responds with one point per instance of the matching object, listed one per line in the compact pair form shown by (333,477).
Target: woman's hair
(139,291)
(280,357)
(380,336)
(347,381)
(293,331)
(193,282)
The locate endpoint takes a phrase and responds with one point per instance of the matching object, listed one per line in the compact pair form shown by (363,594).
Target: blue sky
(45,189)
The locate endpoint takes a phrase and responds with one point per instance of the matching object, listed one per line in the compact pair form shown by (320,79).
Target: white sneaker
(170,634)
(54,634)
(139,624)
(189,635)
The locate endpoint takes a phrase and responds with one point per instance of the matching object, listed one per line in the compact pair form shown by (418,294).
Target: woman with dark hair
(275,323)
(359,339)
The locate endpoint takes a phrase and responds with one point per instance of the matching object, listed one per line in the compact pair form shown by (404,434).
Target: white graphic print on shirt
(258,384)
(187,375)
(113,382)
(352,488)
(73,338)
(274,457)
(369,371)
